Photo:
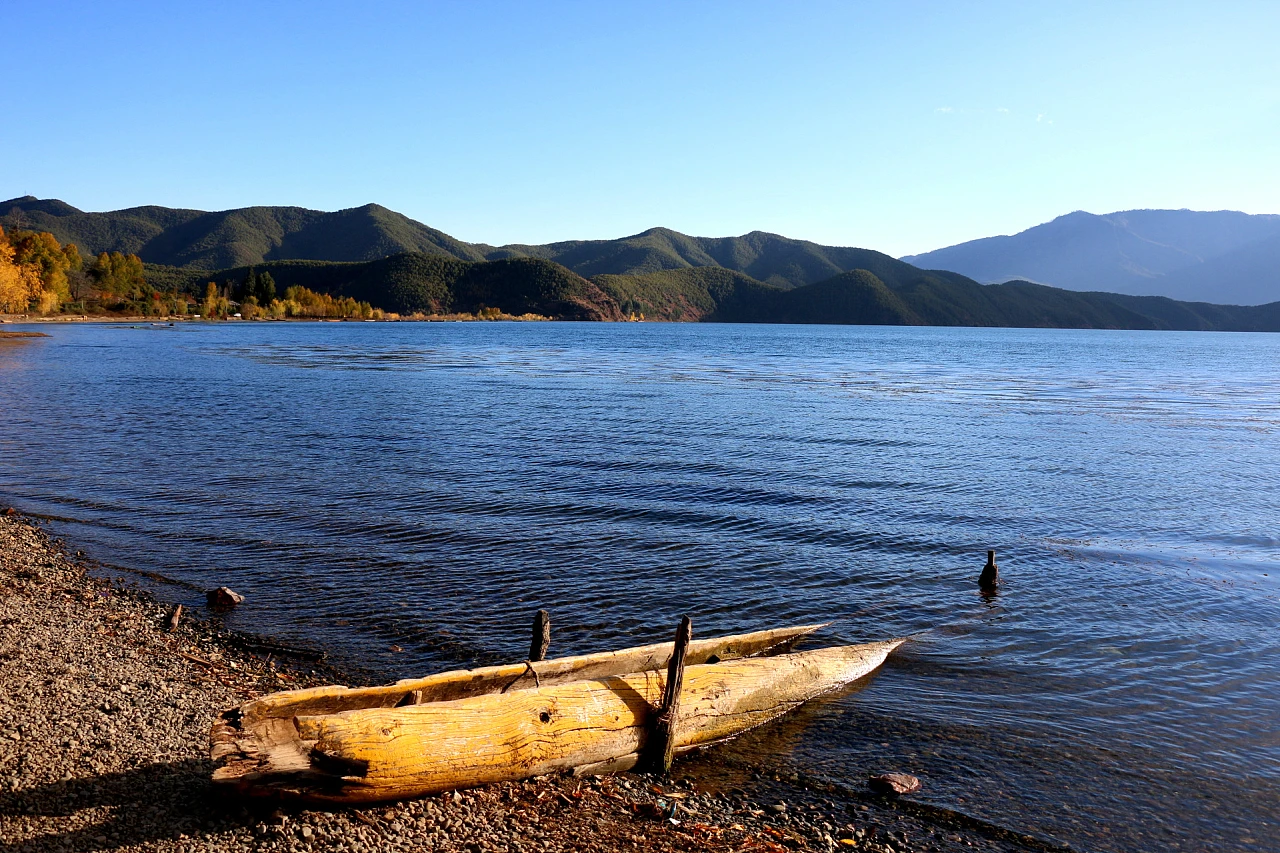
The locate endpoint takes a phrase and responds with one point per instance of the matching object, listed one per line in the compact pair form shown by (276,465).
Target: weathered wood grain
(588,725)
(458,684)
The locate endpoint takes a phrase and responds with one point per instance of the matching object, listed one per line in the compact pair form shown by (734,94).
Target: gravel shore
(104,722)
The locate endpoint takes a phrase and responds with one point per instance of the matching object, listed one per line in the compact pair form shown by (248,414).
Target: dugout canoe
(261,732)
(590,725)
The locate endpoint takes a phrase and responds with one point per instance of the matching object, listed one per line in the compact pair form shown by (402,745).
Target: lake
(406,495)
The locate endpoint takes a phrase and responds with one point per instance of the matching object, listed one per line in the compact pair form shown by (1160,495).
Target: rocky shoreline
(104,721)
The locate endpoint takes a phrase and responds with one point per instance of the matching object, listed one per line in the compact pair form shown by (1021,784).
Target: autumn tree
(52,260)
(120,275)
(17,282)
(302,302)
(33,271)
(209,307)
(215,304)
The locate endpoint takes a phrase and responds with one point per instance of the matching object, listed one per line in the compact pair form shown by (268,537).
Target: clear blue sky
(896,126)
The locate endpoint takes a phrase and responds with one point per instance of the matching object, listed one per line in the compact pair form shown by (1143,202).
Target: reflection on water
(426,487)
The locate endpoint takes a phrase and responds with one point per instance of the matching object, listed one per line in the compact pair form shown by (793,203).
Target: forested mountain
(415,283)
(253,235)
(198,240)
(1218,256)
(764,257)
(373,255)
(889,293)
(1222,257)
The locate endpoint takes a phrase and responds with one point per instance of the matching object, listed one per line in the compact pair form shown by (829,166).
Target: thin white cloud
(1002,109)
(945,110)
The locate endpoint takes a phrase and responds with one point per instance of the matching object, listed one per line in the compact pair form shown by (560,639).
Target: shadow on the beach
(152,803)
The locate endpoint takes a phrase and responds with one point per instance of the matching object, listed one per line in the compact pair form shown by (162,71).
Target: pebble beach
(104,720)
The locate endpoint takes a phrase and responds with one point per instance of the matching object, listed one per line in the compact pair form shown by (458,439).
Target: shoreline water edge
(104,721)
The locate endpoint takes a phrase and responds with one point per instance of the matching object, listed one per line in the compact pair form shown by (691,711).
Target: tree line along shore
(40,276)
(104,725)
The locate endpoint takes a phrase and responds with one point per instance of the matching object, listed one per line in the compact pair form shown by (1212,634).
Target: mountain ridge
(661,273)
(899,295)
(1213,256)
(214,240)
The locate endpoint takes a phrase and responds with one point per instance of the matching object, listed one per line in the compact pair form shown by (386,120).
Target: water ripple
(425,487)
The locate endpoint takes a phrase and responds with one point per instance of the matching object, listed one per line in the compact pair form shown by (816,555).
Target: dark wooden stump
(990,577)
(661,745)
(541,636)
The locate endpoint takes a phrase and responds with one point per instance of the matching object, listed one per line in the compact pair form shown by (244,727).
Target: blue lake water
(427,486)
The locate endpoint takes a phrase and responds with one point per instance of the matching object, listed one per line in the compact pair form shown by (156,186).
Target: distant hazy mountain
(1222,257)
(198,240)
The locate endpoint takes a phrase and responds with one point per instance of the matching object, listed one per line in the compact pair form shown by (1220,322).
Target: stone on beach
(223,597)
(894,783)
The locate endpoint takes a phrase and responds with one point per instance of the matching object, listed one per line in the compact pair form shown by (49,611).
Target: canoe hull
(380,754)
(460,684)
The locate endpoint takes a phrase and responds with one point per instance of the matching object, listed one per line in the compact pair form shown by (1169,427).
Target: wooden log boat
(262,728)
(589,714)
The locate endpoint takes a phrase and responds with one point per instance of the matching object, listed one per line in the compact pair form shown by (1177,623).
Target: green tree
(247,287)
(265,290)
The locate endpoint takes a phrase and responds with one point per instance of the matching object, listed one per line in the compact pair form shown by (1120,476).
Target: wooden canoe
(461,683)
(590,725)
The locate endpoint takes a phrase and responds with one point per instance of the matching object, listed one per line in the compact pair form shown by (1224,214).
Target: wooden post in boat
(662,737)
(541,636)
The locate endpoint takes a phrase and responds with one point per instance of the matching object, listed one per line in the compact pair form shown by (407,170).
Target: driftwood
(661,747)
(541,640)
(588,726)
(208,664)
(175,616)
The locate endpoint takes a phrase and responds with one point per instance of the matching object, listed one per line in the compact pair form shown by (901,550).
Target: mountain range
(1205,256)
(377,255)
(195,239)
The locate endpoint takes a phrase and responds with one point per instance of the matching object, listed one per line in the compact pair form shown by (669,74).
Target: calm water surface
(427,486)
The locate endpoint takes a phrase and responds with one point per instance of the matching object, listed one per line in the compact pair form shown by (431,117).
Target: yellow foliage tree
(13,288)
(52,261)
(20,283)
(120,275)
(301,302)
(215,305)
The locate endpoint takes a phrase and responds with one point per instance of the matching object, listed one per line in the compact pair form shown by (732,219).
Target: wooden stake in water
(990,577)
(541,636)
